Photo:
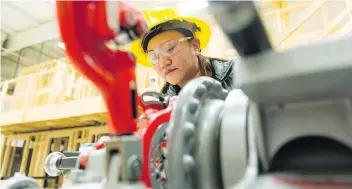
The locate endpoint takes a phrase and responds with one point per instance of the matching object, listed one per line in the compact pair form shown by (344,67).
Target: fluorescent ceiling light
(188,6)
(61,45)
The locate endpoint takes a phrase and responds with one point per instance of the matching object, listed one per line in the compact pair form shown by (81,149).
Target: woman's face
(182,65)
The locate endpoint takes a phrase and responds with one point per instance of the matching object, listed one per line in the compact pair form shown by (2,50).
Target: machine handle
(242,24)
(86,27)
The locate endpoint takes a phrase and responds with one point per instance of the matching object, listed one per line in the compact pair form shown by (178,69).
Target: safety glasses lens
(168,48)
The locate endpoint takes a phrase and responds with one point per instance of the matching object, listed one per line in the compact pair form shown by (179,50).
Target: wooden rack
(29,150)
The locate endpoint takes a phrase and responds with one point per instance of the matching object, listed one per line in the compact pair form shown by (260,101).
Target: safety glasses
(167,48)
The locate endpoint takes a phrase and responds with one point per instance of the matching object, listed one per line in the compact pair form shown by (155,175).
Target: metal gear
(183,136)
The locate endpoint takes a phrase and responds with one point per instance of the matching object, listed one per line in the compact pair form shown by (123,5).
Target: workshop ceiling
(29,33)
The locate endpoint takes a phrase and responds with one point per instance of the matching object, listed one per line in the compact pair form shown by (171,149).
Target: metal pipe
(56,163)
(241,23)
(66,163)
(71,154)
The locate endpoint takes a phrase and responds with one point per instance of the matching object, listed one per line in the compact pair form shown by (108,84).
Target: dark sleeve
(228,81)
(171,91)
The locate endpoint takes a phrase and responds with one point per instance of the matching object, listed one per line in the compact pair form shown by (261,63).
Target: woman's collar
(221,68)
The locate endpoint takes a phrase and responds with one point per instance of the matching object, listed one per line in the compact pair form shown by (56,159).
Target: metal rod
(71,154)
(67,163)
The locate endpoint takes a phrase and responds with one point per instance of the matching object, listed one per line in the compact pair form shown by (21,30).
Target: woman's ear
(196,45)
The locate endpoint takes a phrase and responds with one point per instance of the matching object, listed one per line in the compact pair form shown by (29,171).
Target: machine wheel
(157,158)
(233,141)
(206,147)
(183,130)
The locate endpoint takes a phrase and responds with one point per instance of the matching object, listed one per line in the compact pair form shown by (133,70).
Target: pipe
(56,163)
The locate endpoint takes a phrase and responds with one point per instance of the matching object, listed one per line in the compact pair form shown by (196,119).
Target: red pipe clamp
(86,27)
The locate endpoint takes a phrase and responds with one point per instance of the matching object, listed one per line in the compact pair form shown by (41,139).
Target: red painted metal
(85,30)
(152,120)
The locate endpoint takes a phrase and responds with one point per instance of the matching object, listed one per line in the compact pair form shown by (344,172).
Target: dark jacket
(222,71)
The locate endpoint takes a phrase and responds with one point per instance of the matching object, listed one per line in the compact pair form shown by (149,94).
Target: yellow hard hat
(154,17)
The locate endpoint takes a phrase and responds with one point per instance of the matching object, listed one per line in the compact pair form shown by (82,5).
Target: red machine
(86,27)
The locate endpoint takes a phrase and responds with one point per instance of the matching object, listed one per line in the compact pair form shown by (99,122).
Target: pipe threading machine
(288,123)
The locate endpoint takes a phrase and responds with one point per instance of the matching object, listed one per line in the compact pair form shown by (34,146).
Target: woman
(173,47)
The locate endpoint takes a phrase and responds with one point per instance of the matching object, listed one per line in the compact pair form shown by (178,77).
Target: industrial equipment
(288,123)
